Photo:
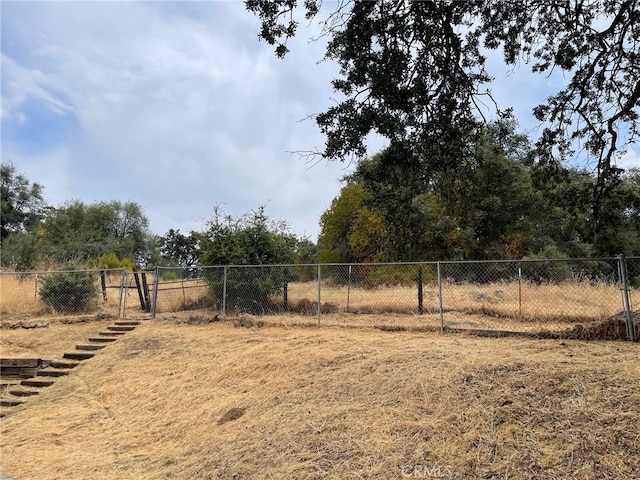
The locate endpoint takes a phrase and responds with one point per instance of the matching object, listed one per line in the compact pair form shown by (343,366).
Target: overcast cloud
(178,107)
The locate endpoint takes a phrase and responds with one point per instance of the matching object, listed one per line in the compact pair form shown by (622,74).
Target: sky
(178,106)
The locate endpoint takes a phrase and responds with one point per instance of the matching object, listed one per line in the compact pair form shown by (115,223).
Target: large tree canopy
(414,72)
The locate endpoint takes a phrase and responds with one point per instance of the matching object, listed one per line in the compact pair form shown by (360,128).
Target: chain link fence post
(156,283)
(440,298)
(319,294)
(121,292)
(626,301)
(224,292)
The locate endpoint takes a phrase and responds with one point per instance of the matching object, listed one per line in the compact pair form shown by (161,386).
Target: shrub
(169,276)
(111,260)
(248,289)
(69,292)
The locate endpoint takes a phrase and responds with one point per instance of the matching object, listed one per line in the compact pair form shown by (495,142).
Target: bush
(169,276)
(69,292)
(248,289)
(111,261)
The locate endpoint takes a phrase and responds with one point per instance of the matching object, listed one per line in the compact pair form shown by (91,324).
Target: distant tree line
(116,234)
(501,201)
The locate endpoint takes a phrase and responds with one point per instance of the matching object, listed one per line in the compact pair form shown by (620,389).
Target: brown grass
(327,403)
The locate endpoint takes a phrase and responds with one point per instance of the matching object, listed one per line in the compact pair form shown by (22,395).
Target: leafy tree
(306,254)
(339,223)
(179,249)
(76,231)
(414,73)
(251,239)
(21,202)
(21,251)
(619,230)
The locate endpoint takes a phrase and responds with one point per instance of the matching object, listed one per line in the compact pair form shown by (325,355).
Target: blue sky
(179,107)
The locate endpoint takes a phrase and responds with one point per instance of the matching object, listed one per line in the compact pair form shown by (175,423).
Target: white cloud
(630,159)
(175,112)
(178,107)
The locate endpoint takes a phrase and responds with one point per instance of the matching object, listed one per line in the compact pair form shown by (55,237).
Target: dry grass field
(519,306)
(177,401)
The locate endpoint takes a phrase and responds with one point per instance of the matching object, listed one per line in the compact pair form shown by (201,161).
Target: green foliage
(392,275)
(21,251)
(181,250)
(111,260)
(82,232)
(69,292)
(503,202)
(548,271)
(350,231)
(306,255)
(414,73)
(21,202)
(169,276)
(251,239)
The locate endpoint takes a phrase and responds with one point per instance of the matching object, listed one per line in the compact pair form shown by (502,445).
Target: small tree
(69,292)
(251,239)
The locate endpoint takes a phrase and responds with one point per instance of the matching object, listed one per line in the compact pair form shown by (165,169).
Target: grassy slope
(330,403)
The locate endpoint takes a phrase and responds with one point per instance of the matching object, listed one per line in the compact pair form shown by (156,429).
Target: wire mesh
(34,294)
(525,296)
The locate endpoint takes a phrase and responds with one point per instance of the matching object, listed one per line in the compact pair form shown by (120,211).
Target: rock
(246,322)
(233,414)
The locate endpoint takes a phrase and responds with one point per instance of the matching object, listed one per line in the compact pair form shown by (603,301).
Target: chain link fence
(530,296)
(68,292)
(100,292)
(507,296)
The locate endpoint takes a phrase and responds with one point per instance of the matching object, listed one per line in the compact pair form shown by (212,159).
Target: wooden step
(120,328)
(127,323)
(10,403)
(52,373)
(78,355)
(112,334)
(36,382)
(61,364)
(18,372)
(103,339)
(90,347)
(24,393)
(20,362)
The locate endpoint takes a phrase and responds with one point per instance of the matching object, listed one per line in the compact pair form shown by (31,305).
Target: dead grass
(328,403)
(551,304)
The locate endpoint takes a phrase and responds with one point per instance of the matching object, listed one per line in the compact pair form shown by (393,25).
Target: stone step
(120,328)
(78,355)
(10,403)
(89,347)
(52,373)
(24,393)
(36,382)
(62,364)
(112,334)
(103,339)
(127,323)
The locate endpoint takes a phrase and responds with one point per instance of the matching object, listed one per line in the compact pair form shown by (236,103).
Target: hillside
(216,401)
